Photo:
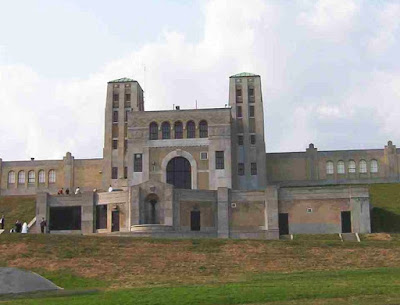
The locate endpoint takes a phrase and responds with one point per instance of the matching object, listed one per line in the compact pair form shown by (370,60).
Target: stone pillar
(88,213)
(312,162)
(135,203)
(168,207)
(271,212)
(42,209)
(390,157)
(69,171)
(360,215)
(223,212)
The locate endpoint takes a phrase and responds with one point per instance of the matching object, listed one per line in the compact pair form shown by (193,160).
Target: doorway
(195,220)
(283,223)
(115,221)
(346,221)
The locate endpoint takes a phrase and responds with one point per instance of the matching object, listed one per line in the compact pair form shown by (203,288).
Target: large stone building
(201,172)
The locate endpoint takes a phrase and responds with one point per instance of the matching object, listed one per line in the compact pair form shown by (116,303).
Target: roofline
(194,109)
(235,76)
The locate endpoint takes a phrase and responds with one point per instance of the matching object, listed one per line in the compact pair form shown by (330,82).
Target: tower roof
(244,74)
(122,80)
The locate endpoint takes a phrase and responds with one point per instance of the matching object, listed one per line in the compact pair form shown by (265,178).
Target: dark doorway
(153,203)
(283,223)
(195,220)
(115,221)
(179,173)
(346,222)
(65,218)
(101,216)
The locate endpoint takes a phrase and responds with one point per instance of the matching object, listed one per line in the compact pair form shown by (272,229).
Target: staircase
(350,237)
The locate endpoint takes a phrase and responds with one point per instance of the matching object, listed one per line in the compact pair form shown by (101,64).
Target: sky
(330,69)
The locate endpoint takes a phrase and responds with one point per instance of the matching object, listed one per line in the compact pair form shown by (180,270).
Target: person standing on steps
(43,225)
(77,191)
(2,220)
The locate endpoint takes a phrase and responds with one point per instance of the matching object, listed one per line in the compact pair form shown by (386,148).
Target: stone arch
(180,153)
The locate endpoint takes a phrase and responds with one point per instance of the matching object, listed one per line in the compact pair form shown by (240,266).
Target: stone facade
(201,173)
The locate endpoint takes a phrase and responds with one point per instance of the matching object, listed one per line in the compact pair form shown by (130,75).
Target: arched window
(352,166)
(166,130)
(153,131)
(52,176)
(178,130)
(42,176)
(363,166)
(340,167)
(191,129)
(374,166)
(203,129)
(31,177)
(11,177)
(329,167)
(21,177)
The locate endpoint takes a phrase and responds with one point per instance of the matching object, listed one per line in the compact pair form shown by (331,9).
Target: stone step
(350,237)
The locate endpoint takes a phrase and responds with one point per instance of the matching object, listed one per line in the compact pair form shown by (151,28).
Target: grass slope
(15,208)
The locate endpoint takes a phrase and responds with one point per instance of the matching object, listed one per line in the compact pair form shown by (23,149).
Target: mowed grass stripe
(262,288)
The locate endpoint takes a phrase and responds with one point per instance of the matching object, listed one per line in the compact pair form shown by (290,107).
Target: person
(110,189)
(18,226)
(24,228)
(60,191)
(2,220)
(67,191)
(43,225)
(77,191)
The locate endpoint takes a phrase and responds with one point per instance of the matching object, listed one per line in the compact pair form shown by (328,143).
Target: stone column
(42,210)
(223,212)
(87,225)
(360,215)
(271,212)
(69,171)
(135,203)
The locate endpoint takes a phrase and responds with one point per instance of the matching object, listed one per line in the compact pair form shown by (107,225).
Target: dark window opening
(166,130)
(203,126)
(239,111)
(254,169)
(179,173)
(219,160)
(126,115)
(65,218)
(346,221)
(115,97)
(115,116)
(127,97)
(114,221)
(241,169)
(101,216)
(253,139)
(114,173)
(125,172)
(283,223)
(178,130)
(240,140)
(153,131)
(195,220)
(191,130)
(137,163)
(115,144)
(251,111)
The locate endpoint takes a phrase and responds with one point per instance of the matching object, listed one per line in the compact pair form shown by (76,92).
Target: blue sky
(330,69)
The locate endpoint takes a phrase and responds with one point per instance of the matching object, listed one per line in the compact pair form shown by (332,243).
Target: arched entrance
(179,173)
(152,209)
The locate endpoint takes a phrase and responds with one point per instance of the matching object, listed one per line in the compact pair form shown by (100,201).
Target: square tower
(248,144)
(124,96)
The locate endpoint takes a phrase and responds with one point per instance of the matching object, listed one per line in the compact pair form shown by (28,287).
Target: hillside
(15,208)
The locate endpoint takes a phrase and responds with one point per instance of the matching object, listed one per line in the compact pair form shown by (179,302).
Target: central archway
(179,173)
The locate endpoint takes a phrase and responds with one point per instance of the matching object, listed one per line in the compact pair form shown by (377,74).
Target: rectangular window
(115,116)
(253,139)
(127,97)
(239,111)
(251,94)
(239,92)
(239,98)
(219,160)
(240,140)
(241,169)
(125,172)
(137,163)
(251,91)
(115,144)
(65,218)
(114,173)
(204,155)
(115,97)
(251,111)
(126,144)
(126,115)
(253,169)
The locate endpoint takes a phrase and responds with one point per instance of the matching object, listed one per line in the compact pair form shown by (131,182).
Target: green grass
(261,288)
(15,208)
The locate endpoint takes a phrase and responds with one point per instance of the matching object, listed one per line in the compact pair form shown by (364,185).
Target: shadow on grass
(383,220)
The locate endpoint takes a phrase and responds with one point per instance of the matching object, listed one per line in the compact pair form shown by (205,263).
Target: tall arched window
(11,177)
(153,131)
(178,130)
(166,130)
(340,167)
(21,177)
(52,176)
(203,126)
(191,129)
(374,166)
(31,177)
(352,166)
(329,167)
(363,166)
(42,176)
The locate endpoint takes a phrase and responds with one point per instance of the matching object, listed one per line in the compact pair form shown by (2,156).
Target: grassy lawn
(15,208)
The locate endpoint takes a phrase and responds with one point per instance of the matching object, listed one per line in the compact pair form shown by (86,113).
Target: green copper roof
(122,80)
(244,74)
